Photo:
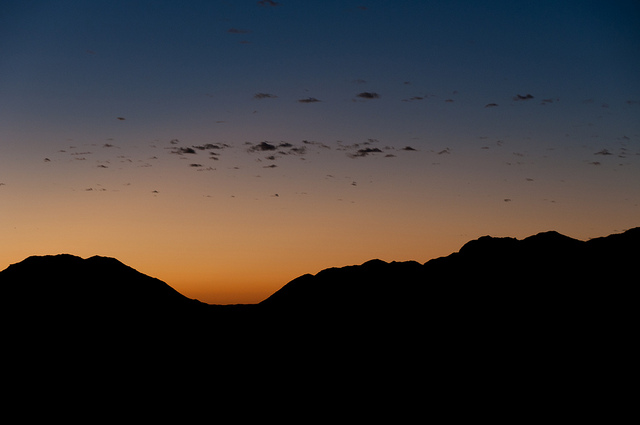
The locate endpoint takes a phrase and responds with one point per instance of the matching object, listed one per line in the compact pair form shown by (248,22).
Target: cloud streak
(368,95)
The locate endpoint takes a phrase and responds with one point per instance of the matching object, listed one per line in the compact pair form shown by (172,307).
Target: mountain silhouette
(503,326)
(547,267)
(488,270)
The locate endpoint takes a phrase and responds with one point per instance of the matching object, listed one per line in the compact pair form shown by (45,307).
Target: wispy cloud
(264,96)
(181,151)
(521,97)
(309,100)
(364,152)
(368,95)
(268,3)
(262,146)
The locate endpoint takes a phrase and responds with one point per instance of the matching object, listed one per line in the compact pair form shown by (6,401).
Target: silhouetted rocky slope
(502,327)
(488,274)
(544,269)
(75,289)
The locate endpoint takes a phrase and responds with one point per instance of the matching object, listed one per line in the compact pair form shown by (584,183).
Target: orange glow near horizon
(241,249)
(227,148)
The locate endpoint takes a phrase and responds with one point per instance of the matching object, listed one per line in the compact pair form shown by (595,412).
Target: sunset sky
(227,147)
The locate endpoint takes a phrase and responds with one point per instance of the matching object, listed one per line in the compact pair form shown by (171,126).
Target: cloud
(268,3)
(181,151)
(408,148)
(411,99)
(298,150)
(368,95)
(264,96)
(521,97)
(446,151)
(262,146)
(309,100)
(208,146)
(195,165)
(364,152)
(490,105)
(238,31)
(603,152)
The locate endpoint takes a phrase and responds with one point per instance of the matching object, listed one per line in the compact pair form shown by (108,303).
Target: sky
(227,147)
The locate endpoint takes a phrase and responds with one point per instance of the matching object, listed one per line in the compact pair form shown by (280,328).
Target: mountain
(66,291)
(504,327)
(547,270)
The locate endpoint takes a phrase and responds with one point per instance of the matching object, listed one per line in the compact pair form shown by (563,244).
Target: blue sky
(521,117)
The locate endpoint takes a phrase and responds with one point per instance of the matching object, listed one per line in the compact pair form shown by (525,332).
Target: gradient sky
(227,147)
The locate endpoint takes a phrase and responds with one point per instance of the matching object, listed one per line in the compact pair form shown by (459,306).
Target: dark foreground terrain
(548,321)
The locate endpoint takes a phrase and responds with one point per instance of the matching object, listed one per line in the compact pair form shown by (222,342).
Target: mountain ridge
(542,257)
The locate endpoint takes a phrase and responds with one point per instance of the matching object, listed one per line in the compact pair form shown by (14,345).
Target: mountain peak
(67,282)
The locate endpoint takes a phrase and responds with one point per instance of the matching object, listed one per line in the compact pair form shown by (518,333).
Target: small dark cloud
(595,163)
(268,3)
(174,141)
(285,145)
(262,146)
(264,96)
(102,166)
(309,100)
(411,99)
(445,151)
(364,152)
(195,165)
(490,105)
(47,160)
(270,166)
(208,146)
(368,95)
(107,145)
(181,151)
(312,142)
(408,148)
(238,31)
(507,199)
(521,97)
(603,152)
(120,118)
